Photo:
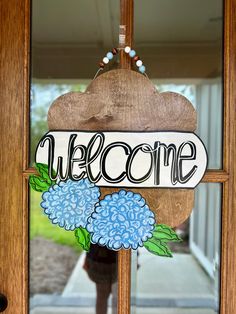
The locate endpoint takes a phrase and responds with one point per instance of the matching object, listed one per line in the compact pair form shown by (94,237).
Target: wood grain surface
(124,256)
(13,217)
(122,100)
(228,231)
(126,100)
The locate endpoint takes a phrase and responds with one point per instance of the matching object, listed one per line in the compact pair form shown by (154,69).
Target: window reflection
(100,265)
(188,282)
(63,278)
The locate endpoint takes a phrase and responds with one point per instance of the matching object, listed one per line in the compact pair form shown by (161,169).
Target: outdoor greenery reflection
(42,96)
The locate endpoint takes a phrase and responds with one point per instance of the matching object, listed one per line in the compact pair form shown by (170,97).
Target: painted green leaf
(41,182)
(165,234)
(38,184)
(158,247)
(43,171)
(83,238)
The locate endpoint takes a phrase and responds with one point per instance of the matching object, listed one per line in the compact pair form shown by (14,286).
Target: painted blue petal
(122,219)
(71,202)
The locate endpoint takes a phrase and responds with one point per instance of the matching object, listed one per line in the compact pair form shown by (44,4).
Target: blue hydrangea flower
(70,203)
(121,220)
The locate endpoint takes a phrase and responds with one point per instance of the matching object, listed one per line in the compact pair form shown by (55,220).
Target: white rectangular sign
(125,159)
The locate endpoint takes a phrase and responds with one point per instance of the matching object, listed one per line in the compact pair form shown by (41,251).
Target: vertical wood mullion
(228,233)
(124,256)
(126,19)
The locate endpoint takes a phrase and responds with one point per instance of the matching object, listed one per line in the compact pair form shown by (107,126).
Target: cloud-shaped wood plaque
(124,100)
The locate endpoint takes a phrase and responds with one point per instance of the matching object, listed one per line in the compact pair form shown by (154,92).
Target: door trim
(228,226)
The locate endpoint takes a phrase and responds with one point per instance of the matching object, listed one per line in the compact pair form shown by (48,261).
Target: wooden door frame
(14,121)
(228,226)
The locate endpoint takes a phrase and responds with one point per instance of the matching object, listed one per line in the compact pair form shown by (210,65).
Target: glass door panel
(188,282)
(181,45)
(68,39)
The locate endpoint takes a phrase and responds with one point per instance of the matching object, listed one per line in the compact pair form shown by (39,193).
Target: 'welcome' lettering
(140,159)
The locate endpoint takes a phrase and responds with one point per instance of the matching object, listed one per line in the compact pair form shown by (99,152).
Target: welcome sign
(120,189)
(125,159)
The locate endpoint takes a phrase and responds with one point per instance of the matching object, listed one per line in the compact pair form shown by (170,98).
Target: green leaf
(44,173)
(157,247)
(41,182)
(83,238)
(38,184)
(165,234)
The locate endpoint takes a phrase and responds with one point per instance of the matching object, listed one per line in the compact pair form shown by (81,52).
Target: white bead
(139,63)
(105,60)
(127,49)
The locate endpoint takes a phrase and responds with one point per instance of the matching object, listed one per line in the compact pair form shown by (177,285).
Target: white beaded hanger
(128,50)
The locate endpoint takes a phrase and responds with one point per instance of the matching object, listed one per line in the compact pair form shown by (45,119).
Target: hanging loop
(129,51)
